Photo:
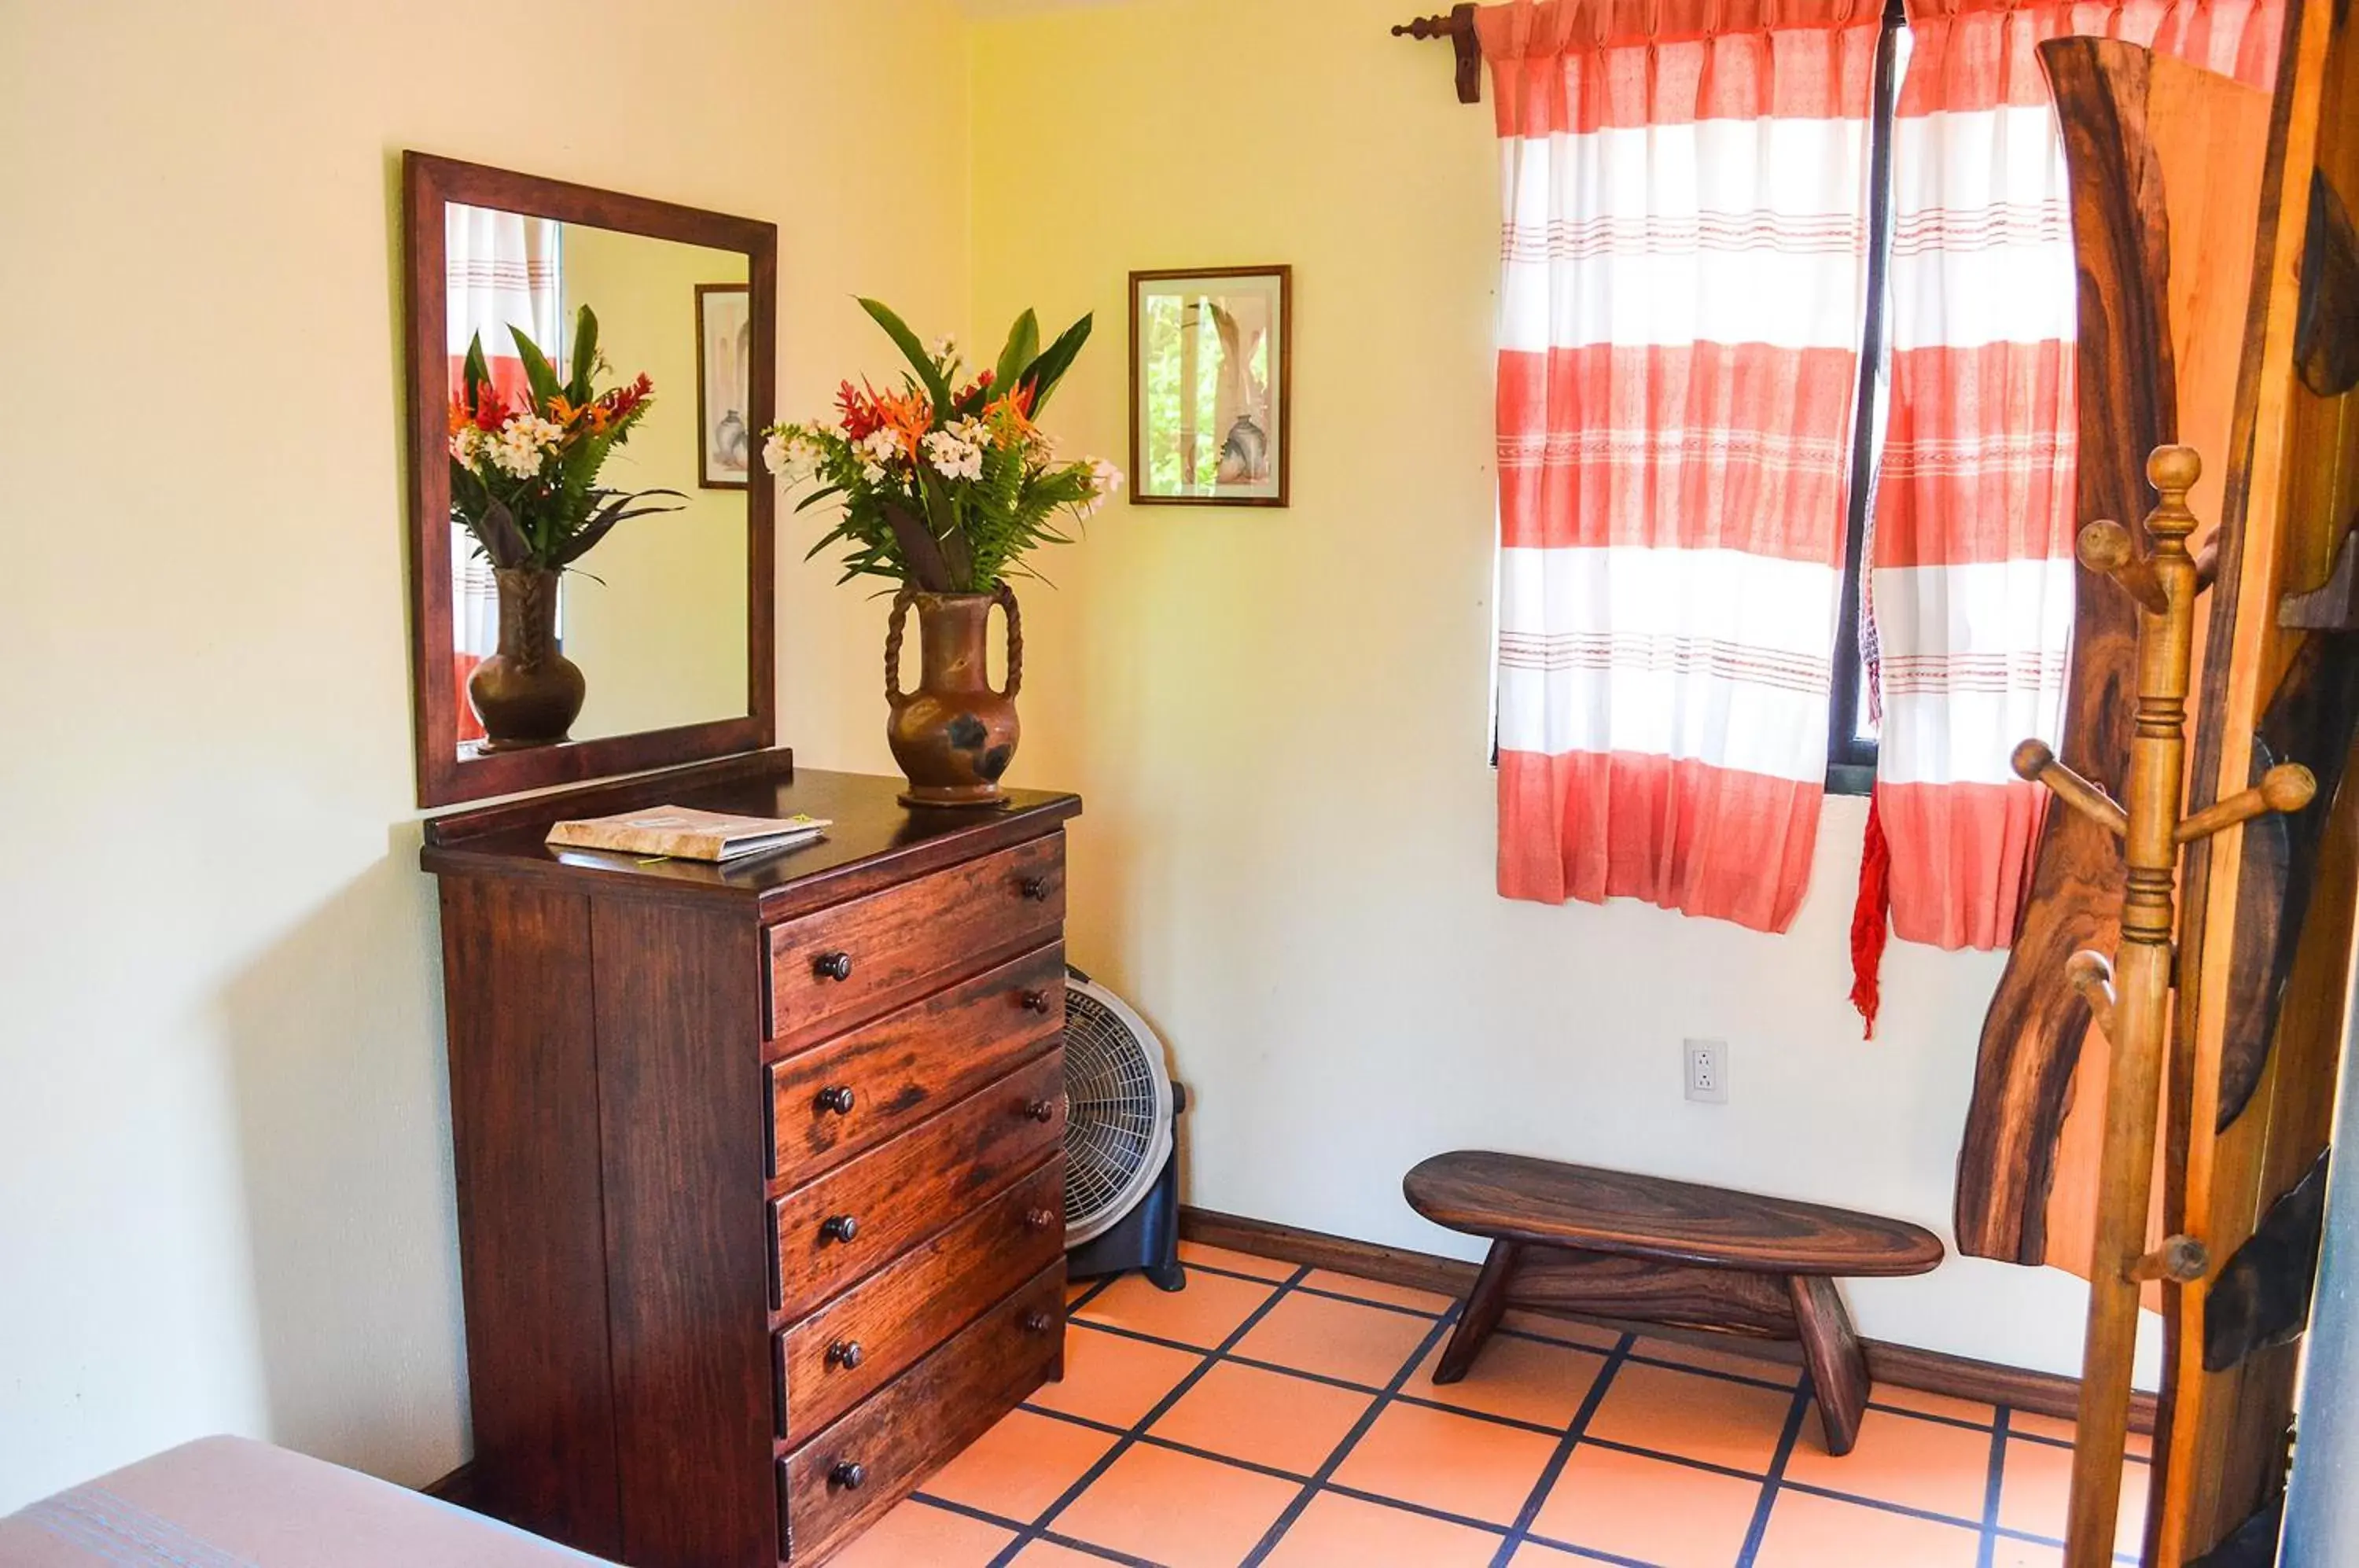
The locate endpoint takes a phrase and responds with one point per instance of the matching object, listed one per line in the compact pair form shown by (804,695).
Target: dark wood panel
(1904,1366)
(524,1125)
(863,1213)
(1596,1284)
(678,1031)
(875,841)
(839,966)
(1526,1199)
(834,1485)
(2128,399)
(834,1100)
(870,1334)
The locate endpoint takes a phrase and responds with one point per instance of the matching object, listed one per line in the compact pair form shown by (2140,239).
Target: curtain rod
(1458,26)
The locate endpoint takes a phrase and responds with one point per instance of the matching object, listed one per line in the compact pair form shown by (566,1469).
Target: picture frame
(723,384)
(1211,364)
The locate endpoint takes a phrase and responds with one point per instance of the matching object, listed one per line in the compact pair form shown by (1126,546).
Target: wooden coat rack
(2130,995)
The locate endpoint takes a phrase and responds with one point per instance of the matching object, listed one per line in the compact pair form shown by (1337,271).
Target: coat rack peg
(2181,1259)
(2106,547)
(1458,26)
(2034,761)
(2091,974)
(2287,786)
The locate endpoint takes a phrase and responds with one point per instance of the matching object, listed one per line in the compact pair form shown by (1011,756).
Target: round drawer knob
(1037,1001)
(1034,888)
(1041,1110)
(832,966)
(839,1228)
(836,1098)
(847,1473)
(1040,1219)
(1038,1322)
(847,1354)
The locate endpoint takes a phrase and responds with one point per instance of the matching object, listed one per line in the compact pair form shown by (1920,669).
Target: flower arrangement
(524,477)
(945,488)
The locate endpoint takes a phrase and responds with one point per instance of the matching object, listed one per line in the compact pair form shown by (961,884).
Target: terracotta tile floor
(1283,1415)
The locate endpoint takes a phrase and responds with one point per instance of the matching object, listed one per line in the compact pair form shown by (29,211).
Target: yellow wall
(656,612)
(1279,718)
(224,1165)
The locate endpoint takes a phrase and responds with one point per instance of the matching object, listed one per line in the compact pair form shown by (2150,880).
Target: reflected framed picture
(724,338)
(1211,369)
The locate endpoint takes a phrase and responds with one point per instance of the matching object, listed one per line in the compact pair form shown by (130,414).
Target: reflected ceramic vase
(527,693)
(953,736)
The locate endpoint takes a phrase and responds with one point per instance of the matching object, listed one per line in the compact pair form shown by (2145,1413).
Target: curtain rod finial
(1458,26)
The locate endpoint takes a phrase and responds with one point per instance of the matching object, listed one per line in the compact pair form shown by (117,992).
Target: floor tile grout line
(986,1516)
(1759,1528)
(1292,1512)
(1123,1445)
(1771,1385)
(1665,1456)
(1992,1481)
(1591,1553)
(1550,1472)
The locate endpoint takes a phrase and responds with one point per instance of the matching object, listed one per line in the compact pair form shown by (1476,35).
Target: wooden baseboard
(457,1488)
(1904,1366)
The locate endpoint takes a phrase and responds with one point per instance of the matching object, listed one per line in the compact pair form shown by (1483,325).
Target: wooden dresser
(760,1171)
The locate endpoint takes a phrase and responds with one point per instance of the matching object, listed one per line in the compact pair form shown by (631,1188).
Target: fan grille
(1114,1110)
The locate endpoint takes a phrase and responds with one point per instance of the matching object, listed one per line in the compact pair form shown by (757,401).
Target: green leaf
(478,370)
(536,370)
(585,356)
(912,350)
(1050,368)
(1023,348)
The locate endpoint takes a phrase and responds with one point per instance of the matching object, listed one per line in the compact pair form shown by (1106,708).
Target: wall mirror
(651,578)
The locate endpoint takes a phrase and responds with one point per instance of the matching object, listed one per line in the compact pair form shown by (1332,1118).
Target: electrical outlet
(1708,1071)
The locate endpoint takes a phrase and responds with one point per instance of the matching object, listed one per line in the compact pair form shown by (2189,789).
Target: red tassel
(1870,922)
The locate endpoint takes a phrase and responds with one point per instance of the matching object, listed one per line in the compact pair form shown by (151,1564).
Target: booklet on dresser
(682,833)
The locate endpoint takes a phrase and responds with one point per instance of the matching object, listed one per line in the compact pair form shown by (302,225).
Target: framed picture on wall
(725,335)
(1211,369)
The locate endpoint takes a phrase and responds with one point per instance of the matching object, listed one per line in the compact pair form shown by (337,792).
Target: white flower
(881,446)
(945,347)
(873,473)
(1106,480)
(954,456)
(789,452)
(466,443)
(774,455)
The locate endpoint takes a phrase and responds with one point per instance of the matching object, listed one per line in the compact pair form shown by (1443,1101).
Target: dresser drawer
(831,1101)
(835,966)
(869,1211)
(841,1480)
(870,1334)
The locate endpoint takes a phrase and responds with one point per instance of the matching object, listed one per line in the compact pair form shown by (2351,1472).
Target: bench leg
(1830,1350)
(1488,1300)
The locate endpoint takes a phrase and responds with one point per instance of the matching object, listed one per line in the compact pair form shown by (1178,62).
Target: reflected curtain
(1682,300)
(500,270)
(1970,598)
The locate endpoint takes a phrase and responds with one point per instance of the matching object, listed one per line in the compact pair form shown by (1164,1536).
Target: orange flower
(908,416)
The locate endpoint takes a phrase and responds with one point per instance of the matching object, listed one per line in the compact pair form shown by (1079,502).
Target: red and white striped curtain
(499,269)
(1970,595)
(1683,299)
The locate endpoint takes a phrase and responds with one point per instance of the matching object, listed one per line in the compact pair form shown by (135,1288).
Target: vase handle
(1006,596)
(894,627)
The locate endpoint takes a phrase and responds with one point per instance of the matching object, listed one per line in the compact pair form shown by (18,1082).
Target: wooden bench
(1599,1243)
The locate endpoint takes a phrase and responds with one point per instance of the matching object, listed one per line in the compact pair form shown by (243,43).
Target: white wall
(225,1166)
(1278,717)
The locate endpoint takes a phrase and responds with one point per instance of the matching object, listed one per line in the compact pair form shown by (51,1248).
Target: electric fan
(1122,1167)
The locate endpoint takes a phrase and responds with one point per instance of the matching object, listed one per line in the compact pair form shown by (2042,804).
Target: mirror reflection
(600,445)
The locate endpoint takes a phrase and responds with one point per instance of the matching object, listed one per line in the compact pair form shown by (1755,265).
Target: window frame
(1850,759)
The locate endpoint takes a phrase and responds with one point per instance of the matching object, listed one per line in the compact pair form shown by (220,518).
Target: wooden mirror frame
(444,776)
